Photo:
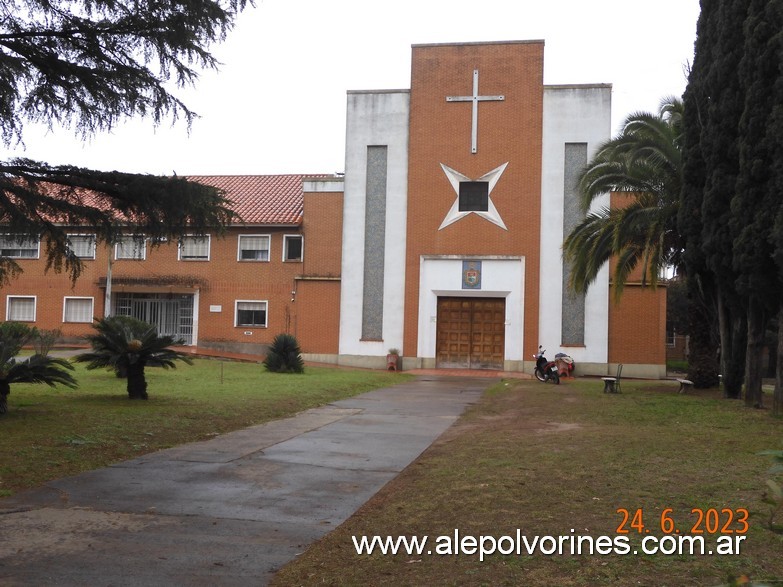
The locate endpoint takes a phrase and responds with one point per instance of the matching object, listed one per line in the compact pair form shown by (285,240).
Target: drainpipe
(107,297)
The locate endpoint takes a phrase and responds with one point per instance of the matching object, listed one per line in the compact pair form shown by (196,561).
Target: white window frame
(11,242)
(8,300)
(194,237)
(129,237)
(92,241)
(286,238)
(268,238)
(91,313)
(236,313)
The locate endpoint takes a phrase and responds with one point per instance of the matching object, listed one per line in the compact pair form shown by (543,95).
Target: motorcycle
(546,370)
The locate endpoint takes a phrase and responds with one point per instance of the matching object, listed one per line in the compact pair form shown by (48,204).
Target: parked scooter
(546,370)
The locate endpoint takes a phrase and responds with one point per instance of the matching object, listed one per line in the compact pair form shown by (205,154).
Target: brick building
(443,238)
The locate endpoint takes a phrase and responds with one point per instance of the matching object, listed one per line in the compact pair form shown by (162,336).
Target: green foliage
(284,355)
(733,178)
(644,159)
(108,204)
(92,63)
(38,368)
(88,65)
(126,346)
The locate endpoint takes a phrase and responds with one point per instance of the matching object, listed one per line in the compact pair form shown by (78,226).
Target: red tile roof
(261,199)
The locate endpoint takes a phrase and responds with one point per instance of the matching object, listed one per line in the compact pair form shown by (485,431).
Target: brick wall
(220,282)
(637,326)
(508,131)
(317,306)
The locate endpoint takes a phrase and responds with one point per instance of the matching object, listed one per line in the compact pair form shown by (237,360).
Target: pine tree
(87,65)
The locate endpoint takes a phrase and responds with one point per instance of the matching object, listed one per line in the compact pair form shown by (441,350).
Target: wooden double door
(471,333)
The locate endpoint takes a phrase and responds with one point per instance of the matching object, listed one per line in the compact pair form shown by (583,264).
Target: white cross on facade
(475,99)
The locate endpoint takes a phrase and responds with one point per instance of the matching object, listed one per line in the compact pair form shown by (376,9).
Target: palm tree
(644,160)
(127,346)
(39,368)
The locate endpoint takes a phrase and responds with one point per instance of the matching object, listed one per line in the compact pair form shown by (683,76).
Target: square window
(251,313)
(17,246)
(194,248)
(20,309)
(78,310)
(131,247)
(253,247)
(473,196)
(82,245)
(292,247)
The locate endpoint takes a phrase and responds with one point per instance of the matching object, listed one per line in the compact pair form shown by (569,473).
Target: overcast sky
(277,105)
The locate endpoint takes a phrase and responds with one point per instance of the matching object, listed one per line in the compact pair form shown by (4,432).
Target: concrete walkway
(228,511)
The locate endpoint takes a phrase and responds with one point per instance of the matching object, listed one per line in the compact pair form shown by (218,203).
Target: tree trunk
(703,347)
(5,389)
(757,326)
(772,359)
(777,397)
(733,346)
(137,384)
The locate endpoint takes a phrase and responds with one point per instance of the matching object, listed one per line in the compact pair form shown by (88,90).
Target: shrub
(284,355)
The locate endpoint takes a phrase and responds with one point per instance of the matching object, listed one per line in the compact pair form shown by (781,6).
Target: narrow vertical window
(292,247)
(573,326)
(374,242)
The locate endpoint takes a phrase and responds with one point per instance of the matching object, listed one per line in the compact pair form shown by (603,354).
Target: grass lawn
(561,461)
(55,432)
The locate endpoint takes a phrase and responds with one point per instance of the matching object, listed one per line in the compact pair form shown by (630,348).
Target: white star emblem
(491,214)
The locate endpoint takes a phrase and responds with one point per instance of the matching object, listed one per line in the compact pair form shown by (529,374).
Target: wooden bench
(685,385)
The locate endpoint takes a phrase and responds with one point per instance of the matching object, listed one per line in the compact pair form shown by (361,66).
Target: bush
(284,355)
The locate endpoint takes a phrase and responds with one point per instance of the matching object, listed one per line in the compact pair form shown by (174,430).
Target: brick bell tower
(474,191)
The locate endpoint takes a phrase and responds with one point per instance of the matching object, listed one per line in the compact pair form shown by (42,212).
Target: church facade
(442,239)
(458,194)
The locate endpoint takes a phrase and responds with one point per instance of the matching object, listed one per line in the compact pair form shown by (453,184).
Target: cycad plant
(284,355)
(127,346)
(39,368)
